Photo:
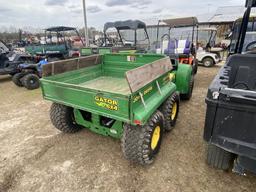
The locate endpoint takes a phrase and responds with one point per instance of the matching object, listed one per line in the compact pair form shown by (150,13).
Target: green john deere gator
(128,97)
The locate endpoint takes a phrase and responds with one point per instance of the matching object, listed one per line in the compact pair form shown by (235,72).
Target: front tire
(31,81)
(140,144)
(16,79)
(170,110)
(208,62)
(62,117)
(219,158)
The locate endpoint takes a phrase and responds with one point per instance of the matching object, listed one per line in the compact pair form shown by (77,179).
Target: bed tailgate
(102,103)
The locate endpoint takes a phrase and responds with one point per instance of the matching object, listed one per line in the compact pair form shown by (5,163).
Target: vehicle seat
(183,47)
(172,44)
(243,72)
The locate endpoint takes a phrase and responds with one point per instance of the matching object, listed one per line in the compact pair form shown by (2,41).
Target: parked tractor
(231,103)
(131,97)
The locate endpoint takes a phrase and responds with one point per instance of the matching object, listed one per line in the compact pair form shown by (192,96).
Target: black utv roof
(250,3)
(124,25)
(60,28)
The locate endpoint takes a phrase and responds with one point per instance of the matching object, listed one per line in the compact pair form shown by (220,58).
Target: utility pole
(86,35)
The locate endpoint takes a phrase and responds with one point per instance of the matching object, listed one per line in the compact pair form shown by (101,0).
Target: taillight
(185,61)
(137,122)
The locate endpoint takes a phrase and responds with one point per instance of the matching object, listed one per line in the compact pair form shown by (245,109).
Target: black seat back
(243,71)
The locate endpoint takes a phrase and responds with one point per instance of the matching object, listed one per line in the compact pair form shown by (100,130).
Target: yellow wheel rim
(174,110)
(155,137)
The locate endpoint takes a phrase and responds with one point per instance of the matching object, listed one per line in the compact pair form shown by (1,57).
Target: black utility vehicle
(230,126)
(10,60)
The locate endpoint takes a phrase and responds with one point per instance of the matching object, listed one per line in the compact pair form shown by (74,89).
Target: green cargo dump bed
(128,88)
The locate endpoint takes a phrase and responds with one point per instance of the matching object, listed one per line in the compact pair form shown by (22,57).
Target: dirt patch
(11,178)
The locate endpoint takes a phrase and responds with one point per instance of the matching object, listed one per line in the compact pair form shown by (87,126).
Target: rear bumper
(231,126)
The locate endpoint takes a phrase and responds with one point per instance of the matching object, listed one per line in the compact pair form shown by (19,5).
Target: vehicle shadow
(5,79)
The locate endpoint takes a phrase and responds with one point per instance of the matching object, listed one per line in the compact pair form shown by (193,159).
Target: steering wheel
(251,47)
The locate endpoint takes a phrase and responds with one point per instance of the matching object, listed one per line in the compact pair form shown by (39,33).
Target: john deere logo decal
(106,103)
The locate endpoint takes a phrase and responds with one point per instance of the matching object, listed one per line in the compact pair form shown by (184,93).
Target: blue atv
(29,75)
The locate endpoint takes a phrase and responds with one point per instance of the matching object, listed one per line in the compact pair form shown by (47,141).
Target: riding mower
(231,103)
(29,75)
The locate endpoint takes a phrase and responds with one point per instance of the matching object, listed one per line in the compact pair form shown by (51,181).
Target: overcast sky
(45,13)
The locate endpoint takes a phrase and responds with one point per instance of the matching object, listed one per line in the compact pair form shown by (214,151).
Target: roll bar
(242,32)
(250,3)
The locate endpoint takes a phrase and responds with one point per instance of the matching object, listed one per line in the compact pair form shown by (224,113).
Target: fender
(202,55)
(183,77)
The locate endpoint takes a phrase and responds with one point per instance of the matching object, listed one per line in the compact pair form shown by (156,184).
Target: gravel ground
(35,156)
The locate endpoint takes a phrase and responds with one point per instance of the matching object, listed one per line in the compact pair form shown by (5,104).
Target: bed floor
(108,84)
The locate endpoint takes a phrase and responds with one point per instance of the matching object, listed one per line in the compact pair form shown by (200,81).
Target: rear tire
(208,62)
(188,95)
(140,144)
(16,79)
(62,117)
(219,158)
(170,110)
(31,81)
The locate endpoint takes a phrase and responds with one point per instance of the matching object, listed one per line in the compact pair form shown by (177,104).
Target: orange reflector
(137,122)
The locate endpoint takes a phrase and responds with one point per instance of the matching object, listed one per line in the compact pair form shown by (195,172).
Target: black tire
(62,117)
(188,95)
(208,62)
(170,111)
(219,158)
(16,79)
(137,141)
(30,81)
(195,67)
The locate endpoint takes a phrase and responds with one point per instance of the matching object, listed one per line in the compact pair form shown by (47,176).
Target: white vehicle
(207,54)
(207,59)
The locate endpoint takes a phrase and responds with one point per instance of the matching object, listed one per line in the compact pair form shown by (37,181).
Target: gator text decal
(106,103)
